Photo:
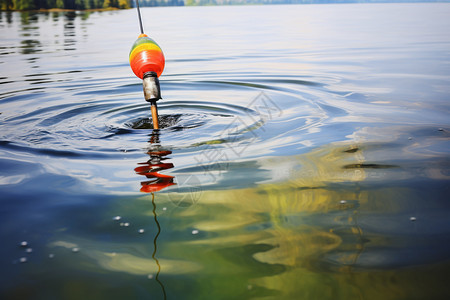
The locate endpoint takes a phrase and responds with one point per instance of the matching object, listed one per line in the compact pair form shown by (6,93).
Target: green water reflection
(328,232)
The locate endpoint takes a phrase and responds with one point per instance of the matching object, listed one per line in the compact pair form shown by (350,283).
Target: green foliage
(79,4)
(6,4)
(22,4)
(64,4)
(123,4)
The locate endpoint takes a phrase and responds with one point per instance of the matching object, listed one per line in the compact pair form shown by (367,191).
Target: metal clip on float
(152,93)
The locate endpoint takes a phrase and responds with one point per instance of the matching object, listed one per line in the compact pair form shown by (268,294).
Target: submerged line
(155,247)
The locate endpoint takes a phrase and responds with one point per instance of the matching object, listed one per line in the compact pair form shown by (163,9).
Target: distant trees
(63,4)
(123,4)
(83,4)
(161,2)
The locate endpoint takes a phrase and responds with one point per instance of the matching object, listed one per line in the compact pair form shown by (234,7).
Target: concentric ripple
(96,124)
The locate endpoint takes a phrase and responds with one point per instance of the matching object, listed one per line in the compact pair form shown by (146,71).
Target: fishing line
(154,244)
(139,16)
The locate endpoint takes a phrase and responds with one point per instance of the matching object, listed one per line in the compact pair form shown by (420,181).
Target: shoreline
(45,10)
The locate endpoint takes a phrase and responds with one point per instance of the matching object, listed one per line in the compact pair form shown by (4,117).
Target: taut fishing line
(139,16)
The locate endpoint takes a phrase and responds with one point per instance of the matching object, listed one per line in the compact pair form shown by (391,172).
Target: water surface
(304,154)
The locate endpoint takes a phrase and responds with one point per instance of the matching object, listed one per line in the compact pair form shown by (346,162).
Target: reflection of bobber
(150,170)
(147,62)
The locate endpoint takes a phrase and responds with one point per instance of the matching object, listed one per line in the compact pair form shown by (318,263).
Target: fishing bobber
(147,62)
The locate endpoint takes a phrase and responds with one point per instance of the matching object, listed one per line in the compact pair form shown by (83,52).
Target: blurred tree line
(96,4)
(62,4)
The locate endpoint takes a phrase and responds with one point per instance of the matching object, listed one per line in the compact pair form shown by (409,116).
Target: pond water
(304,154)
